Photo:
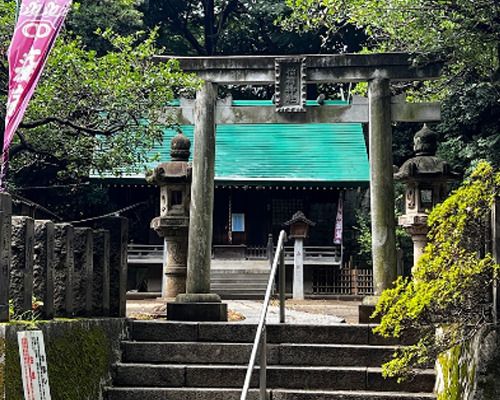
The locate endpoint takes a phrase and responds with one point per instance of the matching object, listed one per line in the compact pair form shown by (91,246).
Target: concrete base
(202,311)
(365,311)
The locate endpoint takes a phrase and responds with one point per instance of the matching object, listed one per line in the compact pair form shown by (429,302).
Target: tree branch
(181,27)
(79,128)
(231,7)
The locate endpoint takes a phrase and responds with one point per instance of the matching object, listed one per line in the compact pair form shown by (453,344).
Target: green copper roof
(284,153)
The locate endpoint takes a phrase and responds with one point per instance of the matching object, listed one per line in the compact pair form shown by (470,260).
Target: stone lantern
(426,178)
(299,229)
(174,179)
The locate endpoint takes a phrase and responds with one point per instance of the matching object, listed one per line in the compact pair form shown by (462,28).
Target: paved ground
(248,311)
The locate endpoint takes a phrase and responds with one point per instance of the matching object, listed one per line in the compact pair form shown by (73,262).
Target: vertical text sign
(33,365)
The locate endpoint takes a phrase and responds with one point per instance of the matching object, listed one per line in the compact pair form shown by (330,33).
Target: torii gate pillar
(198,304)
(381,185)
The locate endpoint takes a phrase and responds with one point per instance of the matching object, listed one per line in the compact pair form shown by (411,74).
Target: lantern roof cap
(180,147)
(299,217)
(425,165)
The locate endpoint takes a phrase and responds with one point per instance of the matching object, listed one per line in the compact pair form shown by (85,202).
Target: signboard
(290,86)
(33,365)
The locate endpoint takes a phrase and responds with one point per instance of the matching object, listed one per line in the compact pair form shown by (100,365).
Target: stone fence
(61,270)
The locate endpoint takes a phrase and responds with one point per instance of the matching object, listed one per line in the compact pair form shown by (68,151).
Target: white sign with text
(33,365)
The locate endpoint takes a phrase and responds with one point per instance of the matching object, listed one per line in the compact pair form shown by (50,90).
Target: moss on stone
(78,358)
(452,374)
(2,365)
(13,381)
(77,362)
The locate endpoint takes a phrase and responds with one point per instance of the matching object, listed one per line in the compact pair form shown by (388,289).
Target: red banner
(37,27)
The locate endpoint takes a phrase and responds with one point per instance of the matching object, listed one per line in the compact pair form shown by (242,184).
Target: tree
(234,27)
(91,112)
(123,17)
(465,34)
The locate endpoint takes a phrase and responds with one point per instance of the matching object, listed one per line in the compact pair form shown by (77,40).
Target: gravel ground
(301,312)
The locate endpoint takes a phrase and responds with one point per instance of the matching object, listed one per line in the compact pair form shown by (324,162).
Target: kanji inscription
(290,92)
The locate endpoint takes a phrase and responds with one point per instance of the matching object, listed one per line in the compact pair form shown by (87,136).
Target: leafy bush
(451,285)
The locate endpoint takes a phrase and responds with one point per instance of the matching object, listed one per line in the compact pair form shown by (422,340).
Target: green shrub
(450,288)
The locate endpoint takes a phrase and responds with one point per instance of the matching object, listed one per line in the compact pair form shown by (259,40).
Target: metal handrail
(260,342)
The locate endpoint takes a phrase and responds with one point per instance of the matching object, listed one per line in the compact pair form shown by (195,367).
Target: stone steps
(289,377)
(168,331)
(239,353)
(165,360)
(240,279)
(188,393)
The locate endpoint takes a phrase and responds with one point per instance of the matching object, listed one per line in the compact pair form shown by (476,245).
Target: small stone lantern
(174,179)
(426,178)
(299,229)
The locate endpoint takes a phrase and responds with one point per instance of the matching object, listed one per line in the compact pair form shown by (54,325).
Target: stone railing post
(100,293)
(118,230)
(64,270)
(5,253)
(21,268)
(83,276)
(43,267)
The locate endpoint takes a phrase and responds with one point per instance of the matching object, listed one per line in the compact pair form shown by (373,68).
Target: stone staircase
(207,361)
(239,279)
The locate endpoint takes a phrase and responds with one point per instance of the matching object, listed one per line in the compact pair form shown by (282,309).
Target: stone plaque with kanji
(290,91)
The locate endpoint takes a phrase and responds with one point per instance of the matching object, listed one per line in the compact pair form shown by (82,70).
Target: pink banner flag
(37,27)
(339,222)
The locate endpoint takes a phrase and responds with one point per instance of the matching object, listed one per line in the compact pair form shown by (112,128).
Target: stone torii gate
(290,75)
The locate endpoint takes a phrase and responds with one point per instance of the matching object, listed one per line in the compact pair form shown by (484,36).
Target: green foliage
(88,17)
(464,34)
(460,31)
(448,286)
(92,112)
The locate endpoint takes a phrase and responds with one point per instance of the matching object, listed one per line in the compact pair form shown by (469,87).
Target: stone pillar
(5,253)
(118,230)
(381,185)
(198,304)
(21,268)
(63,270)
(100,293)
(298,269)
(83,271)
(175,268)
(43,267)
(419,239)
(202,192)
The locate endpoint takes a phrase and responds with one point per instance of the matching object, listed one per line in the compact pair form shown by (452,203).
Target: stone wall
(471,371)
(55,263)
(80,354)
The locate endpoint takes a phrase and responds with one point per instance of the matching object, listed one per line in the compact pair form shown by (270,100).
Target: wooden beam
(319,68)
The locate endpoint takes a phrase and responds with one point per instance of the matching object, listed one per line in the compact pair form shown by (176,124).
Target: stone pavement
(298,312)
